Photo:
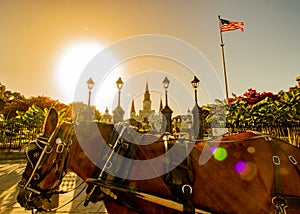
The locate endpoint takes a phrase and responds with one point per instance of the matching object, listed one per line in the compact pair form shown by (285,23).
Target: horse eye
(58,141)
(36,177)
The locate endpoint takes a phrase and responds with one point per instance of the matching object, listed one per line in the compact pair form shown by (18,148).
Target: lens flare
(240,166)
(246,170)
(219,153)
(251,149)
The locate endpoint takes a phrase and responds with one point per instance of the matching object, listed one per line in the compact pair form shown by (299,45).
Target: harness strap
(64,153)
(114,140)
(59,162)
(181,176)
(281,201)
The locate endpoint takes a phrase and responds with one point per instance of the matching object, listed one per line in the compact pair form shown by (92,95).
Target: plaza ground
(10,174)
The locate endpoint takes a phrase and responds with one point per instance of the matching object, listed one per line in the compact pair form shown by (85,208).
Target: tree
(17,102)
(34,117)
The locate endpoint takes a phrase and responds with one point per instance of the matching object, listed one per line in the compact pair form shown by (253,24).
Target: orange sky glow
(45,46)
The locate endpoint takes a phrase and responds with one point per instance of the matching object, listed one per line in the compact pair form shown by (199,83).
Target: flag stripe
(229,26)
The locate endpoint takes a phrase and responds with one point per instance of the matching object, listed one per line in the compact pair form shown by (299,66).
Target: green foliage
(33,117)
(254,109)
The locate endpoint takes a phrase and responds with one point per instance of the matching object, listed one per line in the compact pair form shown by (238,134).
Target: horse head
(58,151)
(44,171)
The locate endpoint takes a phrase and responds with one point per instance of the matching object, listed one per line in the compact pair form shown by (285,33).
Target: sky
(51,47)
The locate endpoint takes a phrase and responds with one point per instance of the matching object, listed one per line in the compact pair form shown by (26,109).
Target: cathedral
(147,116)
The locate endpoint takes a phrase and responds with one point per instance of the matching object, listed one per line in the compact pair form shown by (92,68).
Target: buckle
(292,160)
(60,145)
(189,188)
(276,160)
(279,202)
(60,148)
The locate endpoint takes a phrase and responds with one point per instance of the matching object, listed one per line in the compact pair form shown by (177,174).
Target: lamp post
(90,84)
(195,83)
(120,84)
(166,83)
(166,111)
(118,111)
(198,125)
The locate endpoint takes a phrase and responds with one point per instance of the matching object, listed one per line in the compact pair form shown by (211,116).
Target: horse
(241,173)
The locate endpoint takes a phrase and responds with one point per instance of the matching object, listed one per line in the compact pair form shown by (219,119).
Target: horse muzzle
(30,200)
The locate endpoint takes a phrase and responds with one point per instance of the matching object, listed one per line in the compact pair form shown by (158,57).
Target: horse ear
(50,122)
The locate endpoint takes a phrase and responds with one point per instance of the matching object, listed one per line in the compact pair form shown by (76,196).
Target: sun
(71,64)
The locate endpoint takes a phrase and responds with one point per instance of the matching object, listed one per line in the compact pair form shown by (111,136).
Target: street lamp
(167,111)
(118,112)
(166,83)
(195,83)
(90,84)
(198,125)
(120,84)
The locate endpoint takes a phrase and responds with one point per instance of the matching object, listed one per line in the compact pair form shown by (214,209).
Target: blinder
(33,151)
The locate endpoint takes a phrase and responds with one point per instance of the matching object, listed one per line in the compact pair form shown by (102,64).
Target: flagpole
(223,58)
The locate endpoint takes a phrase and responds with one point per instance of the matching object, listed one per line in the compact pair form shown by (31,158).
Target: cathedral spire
(147,87)
(132,110)
(147,93)
(132,106)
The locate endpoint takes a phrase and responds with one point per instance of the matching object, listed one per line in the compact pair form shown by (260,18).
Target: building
(118,114)
(107,117)
(183,121)
(147,117)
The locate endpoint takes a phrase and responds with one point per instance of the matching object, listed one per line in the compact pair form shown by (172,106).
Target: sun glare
(71,64)
(106,94)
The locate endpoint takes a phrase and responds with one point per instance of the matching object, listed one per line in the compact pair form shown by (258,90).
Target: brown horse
(243,173)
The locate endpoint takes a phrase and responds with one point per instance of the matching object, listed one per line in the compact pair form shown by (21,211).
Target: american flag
(229,26)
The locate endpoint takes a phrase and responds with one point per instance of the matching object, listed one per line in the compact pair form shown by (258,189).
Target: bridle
(45,146)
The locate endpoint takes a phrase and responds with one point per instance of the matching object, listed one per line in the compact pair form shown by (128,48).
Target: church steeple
(132,107)
(147,87)
(132,110)
(147,111)
(147,93)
